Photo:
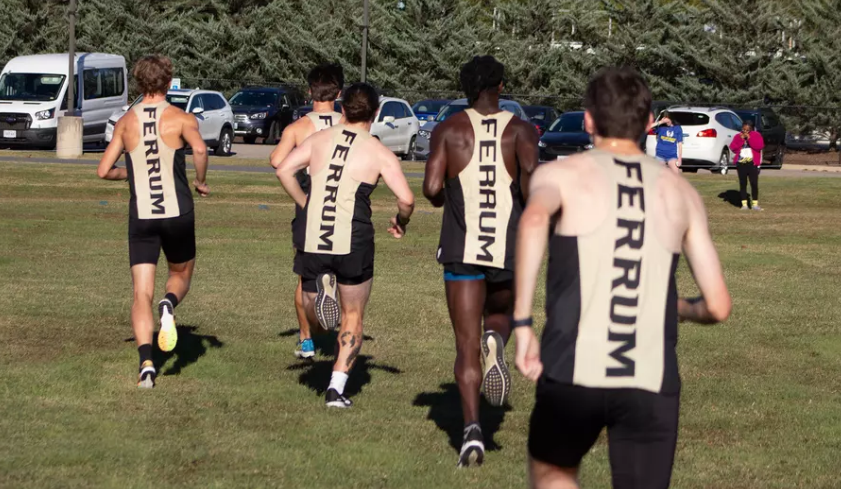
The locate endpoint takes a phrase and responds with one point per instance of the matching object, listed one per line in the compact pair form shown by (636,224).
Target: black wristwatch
(521,323)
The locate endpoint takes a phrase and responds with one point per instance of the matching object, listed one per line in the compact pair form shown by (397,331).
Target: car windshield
(254,99)
(689,118)
(30,86)
(429,106)
(449,111)
(536,112)
(568,123)
(179,101)
(748,116)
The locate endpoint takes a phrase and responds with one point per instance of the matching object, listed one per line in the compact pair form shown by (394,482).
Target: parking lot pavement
(256,151)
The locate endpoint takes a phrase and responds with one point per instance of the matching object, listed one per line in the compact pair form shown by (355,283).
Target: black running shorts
(466,271)
(352,269)
(176,235)
(641,428)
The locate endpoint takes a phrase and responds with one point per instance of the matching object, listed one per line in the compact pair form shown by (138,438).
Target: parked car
(707,133)
(426,110)
(395,126)
(33,95)
(541,116)
(814,141)
(564,137)
(215,117)
(264,112)
(657,107)
(773,132)
(306,109)
(454,107)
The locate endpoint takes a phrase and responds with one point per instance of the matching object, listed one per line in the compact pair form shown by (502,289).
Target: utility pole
(364,40)
(71,89)
(69,127)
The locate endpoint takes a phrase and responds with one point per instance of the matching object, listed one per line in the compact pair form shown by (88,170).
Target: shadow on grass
(188,350)
(326,343)
(445,411)
(732,197)
(316,375)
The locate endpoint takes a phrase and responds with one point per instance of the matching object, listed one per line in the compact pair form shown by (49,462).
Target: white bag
(746,154)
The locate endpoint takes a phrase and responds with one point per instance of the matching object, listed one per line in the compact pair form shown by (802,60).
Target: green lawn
(233,408)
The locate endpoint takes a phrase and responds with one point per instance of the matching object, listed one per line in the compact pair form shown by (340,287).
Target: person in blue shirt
(669,142)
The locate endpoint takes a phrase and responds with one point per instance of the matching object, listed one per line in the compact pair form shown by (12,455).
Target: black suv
(773,132)
(263,112)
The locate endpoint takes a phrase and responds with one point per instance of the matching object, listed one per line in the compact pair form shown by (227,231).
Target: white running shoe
(496,382)
(168,334)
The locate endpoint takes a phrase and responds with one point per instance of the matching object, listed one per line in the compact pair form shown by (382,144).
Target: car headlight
(588,146)
(295,115)
(45,114)
(541,144)
(423,134)
(259,115)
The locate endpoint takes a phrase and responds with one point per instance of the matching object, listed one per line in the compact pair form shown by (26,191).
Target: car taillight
(539,130)
(652,132)
(707,133)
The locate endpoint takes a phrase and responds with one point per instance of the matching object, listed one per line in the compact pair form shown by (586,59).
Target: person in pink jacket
(747,150)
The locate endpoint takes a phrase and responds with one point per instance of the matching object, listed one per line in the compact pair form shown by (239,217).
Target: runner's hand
(395,229)
(201,188)
(527,357)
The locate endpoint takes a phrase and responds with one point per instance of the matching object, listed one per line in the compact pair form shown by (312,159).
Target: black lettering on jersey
(632,192)
(487,241)
(624,300)
(487,231)
(328,212)
(153,162)
(488,123)
(327,120)
(627,342)
(485,148)
(628,239)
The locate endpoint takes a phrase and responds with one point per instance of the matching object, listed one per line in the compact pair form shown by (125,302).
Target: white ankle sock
(337,381)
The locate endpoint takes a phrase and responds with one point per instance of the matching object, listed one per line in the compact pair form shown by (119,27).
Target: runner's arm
(436,167)
(190,133)
(395,180)
(108,169)
(527,155)
(679,154)
(544,202)
(715,304)
(284,147)
(297,160)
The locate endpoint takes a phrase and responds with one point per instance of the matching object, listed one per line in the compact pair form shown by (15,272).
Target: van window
(30,86)
(689,118)
(103,83)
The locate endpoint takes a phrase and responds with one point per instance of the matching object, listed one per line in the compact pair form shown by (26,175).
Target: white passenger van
(33,94)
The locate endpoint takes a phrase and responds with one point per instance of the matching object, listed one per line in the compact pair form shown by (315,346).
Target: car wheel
(778,158)
(274,133)
(226,142)
(249,139)
(724,161)
(410,153)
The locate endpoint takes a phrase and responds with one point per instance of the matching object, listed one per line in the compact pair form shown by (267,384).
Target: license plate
(10,134)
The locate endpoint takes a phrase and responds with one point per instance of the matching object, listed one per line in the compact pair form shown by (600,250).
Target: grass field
(761,401)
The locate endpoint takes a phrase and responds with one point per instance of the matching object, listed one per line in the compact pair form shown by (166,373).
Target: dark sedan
(541,116)
(564,137)
(426,110)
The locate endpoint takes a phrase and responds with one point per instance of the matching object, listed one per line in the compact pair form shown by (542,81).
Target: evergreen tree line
(742,52)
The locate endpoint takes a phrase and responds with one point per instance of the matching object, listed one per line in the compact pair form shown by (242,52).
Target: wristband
(518,323)
(401,222)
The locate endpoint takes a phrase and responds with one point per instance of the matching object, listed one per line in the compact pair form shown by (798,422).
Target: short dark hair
(360,102)
(749,123)
(326,82)
(480,74)
(619,101)
(153,74)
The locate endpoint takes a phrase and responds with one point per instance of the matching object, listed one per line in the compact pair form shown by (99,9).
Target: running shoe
(472,447)
(745,208)
(168,335)
(496,383)
(327,302)
(305,349)
(336,400)
(757,208)
(146,378)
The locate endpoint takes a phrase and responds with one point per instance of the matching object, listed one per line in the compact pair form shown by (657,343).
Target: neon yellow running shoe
(168,335)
